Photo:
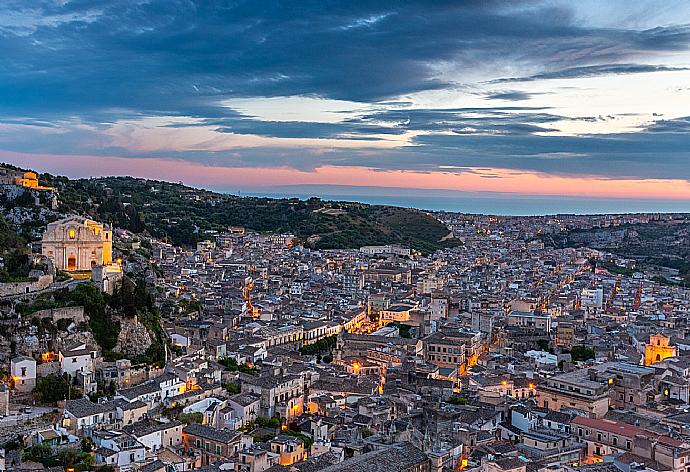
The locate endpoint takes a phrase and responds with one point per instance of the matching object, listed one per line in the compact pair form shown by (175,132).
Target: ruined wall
(47,368)
(75,313)
(19,288)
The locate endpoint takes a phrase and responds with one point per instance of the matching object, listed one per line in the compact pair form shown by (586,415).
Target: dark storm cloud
(174,55)
(592,71)
(500,120)
(512,95)
(679,125)
(643,154)
(99,62)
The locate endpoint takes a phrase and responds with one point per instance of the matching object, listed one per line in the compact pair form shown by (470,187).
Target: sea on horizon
(502,204)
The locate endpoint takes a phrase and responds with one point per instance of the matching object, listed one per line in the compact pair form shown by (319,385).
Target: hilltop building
(27,179)
(77,243)
(30,180)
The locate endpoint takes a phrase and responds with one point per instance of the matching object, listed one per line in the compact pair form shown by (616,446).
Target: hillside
(658,243)
(183,214)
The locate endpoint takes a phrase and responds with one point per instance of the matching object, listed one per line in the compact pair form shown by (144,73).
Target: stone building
(4,399)
(107,277)
(658,349)
(77,243)
(30,180)
(209,444)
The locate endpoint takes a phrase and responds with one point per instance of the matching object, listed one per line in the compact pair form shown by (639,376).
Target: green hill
(184,214)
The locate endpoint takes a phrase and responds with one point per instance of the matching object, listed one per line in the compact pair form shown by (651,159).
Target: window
(72,234)
(23,371)
(208,446)
(217,448)
(198,443)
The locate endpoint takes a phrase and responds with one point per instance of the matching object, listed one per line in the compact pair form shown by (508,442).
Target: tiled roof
(625,430)
(84,407)
(142,428)
(220,435)
(394,459)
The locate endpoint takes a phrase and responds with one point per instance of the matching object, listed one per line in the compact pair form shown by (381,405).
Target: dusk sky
(582,98)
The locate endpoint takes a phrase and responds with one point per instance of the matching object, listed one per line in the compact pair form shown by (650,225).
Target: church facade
(658,348)
(76,244)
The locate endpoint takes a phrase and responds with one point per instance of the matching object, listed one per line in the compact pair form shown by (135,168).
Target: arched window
(72,234)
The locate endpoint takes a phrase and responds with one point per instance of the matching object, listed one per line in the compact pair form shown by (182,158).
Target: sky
(588,98)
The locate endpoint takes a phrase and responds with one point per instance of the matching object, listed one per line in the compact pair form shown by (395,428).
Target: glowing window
(72,234)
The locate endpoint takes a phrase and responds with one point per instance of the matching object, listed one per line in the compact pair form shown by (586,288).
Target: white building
(81,416)
(388,250)
(241,409)
(439,307)
(23,372)
(154,391)
(78,357)
(118,449)
(542,359)
(592,298)
(156,435)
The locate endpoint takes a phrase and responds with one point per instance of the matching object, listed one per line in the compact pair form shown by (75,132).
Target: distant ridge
(185,215)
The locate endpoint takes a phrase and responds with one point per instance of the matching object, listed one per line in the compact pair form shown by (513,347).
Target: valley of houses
(498,355)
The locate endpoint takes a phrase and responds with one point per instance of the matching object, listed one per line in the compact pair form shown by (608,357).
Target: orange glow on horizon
(502,180)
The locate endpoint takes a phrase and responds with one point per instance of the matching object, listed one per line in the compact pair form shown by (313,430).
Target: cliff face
(134,339)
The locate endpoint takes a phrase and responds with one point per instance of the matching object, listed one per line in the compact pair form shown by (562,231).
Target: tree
(39,453)
(232,365)
(322,345)
(232,388)
(104,329)
(17,267)
(582,353)
(54,387)
(457,400)
(87,444)
(195,417)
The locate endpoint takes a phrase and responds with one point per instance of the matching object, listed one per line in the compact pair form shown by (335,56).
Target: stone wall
(140,375)
(47,368)
(4,400)
(75,313)
(19,288)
